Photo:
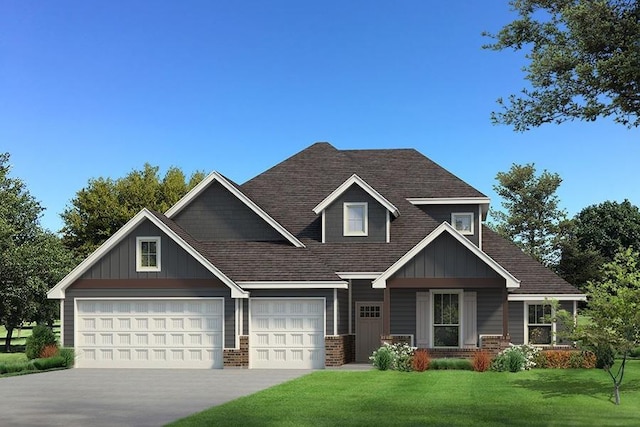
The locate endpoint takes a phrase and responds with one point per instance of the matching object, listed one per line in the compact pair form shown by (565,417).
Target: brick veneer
(237,358)
(493,344)
(339,349)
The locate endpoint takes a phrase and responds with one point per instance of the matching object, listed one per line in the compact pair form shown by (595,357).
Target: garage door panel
(150,333)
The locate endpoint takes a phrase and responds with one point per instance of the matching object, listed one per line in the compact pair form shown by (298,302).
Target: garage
(149,333)
(286,333)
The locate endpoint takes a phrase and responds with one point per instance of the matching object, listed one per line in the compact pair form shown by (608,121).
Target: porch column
(386,312)
(505,312)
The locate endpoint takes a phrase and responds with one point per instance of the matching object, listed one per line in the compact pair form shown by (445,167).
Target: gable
(334,217)
(445,257)
(119,262)
(217,215)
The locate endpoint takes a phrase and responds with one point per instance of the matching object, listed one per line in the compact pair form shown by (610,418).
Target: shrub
(382,358)
(515,358)
(558,358)
(49,350)
(605,356)
(481,361)
(588,360)
(41,336)
(49,363)
(68,354)
(451,364)
(635,352)
(565,359)
(421,360)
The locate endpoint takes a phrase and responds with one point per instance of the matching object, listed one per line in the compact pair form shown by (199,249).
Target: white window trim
(345,208)
(139,241)
(432,325)
(453,222)
(526,322)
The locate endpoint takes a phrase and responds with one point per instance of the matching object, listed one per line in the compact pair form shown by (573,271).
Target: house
(309,264)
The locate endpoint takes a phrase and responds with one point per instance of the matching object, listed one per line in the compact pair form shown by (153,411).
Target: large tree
(104,205)
(531,216)
(32,260)
(596,235)
(583,61)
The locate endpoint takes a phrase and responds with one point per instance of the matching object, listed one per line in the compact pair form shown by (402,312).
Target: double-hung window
(446,319)
(148,254)
(356,222)
(539,324)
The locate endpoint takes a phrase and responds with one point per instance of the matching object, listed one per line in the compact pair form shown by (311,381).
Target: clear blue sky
(90,89)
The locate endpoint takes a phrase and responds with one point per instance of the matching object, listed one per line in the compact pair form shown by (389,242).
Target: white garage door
(286,333)
(149,333)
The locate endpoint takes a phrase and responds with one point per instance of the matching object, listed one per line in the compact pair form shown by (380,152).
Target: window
(539,324)
(370,311)
(148,254)
(446,319)
(355,219)
(462,222)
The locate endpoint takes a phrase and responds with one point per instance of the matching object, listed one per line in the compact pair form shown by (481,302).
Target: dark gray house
(308,265)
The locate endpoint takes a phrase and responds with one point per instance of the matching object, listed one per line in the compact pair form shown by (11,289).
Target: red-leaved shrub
(421,360)
(481,361)
(558,359)
(49,350)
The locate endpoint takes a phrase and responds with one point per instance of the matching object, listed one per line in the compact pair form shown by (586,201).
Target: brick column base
(494,344)
(237,357)
(339,349)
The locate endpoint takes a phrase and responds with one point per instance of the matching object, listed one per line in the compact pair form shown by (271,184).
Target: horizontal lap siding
(302,293)
(442,213)
(229,305)
(120,261)
(403,311)
(361,291)
(516,322)
(217,215)
(343,311)
(334,218)
(489,309)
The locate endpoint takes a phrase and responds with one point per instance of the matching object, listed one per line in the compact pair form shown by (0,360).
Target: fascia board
(355,179)
(216,177)
(511,281)
(294,285)
(542,297)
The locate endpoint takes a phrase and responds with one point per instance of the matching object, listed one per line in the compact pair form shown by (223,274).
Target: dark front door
(368,329)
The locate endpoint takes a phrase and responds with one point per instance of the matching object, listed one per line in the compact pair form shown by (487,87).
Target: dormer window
(356,222)
(148,254)
(462,222)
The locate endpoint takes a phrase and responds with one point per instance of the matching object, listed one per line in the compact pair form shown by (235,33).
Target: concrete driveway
(125,397)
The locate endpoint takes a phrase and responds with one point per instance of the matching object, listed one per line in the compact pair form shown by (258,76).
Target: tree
(596,235)
(31,259)
(105,205)
(614,309)
(583,61)
(532,219)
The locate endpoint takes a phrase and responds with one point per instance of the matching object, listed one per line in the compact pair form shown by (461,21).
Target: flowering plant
(515,358)
(401,355)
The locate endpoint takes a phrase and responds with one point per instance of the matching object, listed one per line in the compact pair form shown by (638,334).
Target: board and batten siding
(361,291)
(442,213)
(445,257)
(302,293)
(71,294)
(217,215)
(120,261)
(334,217)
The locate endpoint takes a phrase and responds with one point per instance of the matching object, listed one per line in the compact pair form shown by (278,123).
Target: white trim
(238,316)
(346,231)
(158,241)
(58,291)
(216,177)
(482,201)
(553,324)
(453,222)
(355,179)
(480,227)
(432,323)
(350,308)
(381,281)
(335,311)
(542,297)
(324,228)
(388,227)
(295,285)
(348,275)
(61,323)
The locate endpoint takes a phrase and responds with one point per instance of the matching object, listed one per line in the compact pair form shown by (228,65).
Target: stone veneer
(339,349)
(237,357)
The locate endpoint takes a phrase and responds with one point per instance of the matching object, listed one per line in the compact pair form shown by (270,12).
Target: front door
(368,329)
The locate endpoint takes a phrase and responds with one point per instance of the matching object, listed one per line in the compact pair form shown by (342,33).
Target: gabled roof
(217,177)
(356,180)
(58,291)
(445,227)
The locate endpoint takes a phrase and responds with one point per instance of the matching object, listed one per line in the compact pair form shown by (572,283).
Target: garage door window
(148,253)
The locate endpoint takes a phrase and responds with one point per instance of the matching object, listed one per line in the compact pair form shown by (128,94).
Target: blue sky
(90,89)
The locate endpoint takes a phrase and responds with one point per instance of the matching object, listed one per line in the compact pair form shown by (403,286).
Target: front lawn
(448,398)
(12,358)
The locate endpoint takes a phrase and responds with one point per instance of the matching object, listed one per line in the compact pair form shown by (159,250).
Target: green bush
(516,358)
(68,354)
(382,358)
(605,355)
(41,336)
(49,363)
(635,352)
(451,364)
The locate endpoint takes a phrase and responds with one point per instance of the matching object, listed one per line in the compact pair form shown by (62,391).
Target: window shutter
(470,314)
(422,319)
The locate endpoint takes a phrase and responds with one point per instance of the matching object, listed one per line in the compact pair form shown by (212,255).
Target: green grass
(12,357)
(542,397)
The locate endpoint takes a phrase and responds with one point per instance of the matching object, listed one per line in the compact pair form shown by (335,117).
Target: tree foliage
(583,61)
(595,236)
(532,218)
(105,205)
(614,309)
(32,260)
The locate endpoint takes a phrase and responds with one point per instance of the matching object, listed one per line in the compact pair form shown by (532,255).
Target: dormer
(356,212)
